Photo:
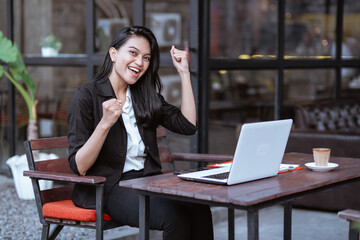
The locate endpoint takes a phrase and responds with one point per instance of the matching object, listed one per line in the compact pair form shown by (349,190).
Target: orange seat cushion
(67,210)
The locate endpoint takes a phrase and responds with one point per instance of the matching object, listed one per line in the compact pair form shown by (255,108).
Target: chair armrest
(65,177)
(200,157)
(350,215)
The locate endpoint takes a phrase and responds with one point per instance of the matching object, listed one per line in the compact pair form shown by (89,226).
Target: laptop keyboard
(219,175)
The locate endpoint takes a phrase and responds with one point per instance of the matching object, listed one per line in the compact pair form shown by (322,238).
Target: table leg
(253,224)
(144,213)
(287,220)
(231,223)
(353,233)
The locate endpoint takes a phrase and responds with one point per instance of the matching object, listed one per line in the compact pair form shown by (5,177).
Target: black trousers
(178,220)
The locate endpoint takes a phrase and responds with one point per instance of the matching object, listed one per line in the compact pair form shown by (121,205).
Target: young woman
(112,132)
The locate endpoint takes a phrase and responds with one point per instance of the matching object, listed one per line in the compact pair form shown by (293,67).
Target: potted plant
(16,72)
(50,45)
(18,76)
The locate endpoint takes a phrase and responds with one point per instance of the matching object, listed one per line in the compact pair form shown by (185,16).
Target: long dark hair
(145,92)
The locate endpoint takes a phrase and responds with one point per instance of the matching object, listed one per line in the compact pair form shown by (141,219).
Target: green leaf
(28,99)
(17,68)
(17,73)
(8,51)
(30,84)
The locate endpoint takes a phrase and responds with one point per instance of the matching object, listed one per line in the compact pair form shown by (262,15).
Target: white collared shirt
(135,156)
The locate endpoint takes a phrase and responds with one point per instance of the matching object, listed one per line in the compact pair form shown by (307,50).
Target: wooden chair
(55,205)
(353,217)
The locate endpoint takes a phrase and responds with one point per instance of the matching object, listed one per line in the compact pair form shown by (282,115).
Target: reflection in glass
(3,16)
(310,29)
(21,121)
(350,83)
(55,89)
(237,97)
(243,28)
(57,18)
(351,30)
(111,16)
(171,91)
(242,96)
(308,84)
(171,85)
(169,21)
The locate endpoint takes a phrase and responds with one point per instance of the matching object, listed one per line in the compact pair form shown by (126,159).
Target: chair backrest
(60,165)
(164,150)
(163,145)
(329,115)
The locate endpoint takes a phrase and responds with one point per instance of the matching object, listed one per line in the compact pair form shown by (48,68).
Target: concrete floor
(307,225)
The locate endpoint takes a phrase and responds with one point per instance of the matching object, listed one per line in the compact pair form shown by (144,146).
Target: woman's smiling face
(131,61)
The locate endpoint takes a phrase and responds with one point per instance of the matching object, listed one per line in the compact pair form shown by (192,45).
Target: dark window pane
(3,16)
(243,29)
(55,89)
(310,29)
(237,97)
(64,19)
(169,20)
(242,96)
(350,83)
(111,16)
(171,85)
(308,84)
(351,32)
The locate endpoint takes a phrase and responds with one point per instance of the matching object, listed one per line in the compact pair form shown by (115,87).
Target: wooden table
(251,196)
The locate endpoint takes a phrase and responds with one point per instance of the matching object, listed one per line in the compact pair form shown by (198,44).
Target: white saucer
(327,168)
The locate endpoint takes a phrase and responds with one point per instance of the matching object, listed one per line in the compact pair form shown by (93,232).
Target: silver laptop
(259,152)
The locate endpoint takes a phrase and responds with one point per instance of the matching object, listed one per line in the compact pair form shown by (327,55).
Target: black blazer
(84,114)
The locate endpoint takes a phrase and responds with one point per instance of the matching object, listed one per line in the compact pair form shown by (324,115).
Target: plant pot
(23,185)
(49,52)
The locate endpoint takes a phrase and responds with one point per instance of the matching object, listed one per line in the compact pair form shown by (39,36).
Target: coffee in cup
(321,156)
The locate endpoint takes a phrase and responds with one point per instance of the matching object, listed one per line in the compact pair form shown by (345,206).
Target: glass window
(169,20)
(2,16)
(171,91)
(63,19)
(21,120)
(350,83)
(351,30)
(242,96)
(243,29)
(308,84)
(171,85)
(4,84)
(111,16)
(55,89)
(310,29)
(237,97)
